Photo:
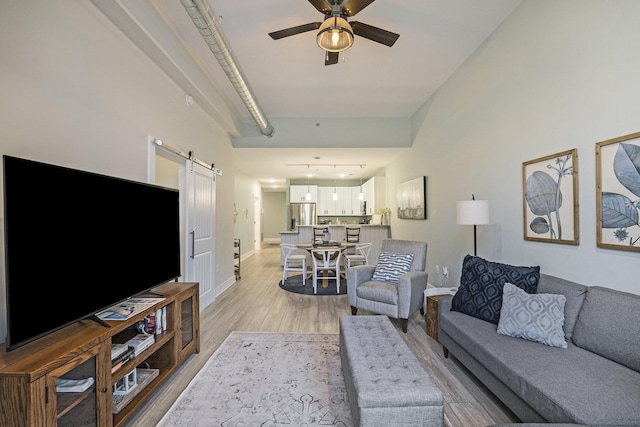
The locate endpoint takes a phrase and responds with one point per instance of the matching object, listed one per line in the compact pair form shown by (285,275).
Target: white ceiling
(290,80)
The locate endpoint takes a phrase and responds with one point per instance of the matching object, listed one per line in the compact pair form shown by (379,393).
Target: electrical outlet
(445,271)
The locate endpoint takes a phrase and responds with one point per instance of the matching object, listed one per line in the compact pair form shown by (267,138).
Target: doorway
(196,184)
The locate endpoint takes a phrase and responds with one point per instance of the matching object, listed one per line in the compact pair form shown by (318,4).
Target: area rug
(267,379)
(328,287)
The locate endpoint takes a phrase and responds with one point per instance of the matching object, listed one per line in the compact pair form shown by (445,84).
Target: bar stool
(353,236)
(318,233)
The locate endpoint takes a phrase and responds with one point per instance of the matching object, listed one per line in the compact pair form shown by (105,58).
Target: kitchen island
(373,234)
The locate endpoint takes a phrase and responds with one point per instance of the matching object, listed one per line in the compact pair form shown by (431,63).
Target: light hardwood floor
(256,303)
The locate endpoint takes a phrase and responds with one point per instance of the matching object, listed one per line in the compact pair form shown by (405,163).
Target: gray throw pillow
(391,266)
(534,317)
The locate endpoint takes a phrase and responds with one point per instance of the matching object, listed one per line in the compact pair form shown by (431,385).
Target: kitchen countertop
(333,225)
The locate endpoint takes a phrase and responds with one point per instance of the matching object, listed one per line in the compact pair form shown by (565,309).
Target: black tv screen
(78,242)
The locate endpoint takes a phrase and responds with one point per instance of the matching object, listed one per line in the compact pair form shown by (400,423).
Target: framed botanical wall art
(550,202)
(412,199)
(618,193)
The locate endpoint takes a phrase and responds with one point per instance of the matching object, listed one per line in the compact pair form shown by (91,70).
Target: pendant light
(361,195)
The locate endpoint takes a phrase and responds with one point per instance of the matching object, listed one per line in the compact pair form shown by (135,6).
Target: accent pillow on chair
(391,266)
(480,291)
(533,317)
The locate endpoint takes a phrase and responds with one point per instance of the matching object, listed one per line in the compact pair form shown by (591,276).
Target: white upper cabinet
(375,191)
(347,203)
(298,193)
(326,204)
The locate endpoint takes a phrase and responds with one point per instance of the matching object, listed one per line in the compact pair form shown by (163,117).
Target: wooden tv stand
(28,395)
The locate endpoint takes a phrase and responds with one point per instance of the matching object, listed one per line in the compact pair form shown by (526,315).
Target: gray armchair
(394,299)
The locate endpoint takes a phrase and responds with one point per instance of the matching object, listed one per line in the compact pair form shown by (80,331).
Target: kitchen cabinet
(375,194)
(298,193)
(344,203)
(326,204)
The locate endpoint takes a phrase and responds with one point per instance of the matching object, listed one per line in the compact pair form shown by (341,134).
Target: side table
(431,316)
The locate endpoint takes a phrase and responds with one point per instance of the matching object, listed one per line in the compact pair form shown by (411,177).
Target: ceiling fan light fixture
(335,35)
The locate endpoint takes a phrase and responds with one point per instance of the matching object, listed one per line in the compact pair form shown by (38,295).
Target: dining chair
(326,261)
(361,257)
(293,262)
(318,233)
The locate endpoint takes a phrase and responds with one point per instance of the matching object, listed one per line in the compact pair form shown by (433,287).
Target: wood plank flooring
(256,303)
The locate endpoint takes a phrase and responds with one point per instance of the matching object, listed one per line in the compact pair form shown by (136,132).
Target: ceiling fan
(336,33)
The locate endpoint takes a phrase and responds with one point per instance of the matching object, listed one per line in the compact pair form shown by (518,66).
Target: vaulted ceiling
(360,107)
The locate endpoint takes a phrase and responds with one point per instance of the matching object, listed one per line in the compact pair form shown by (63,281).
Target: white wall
(77,93)
(557,75)
(246,192)
(274,219)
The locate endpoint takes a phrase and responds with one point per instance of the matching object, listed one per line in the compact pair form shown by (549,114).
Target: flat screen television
(78,242)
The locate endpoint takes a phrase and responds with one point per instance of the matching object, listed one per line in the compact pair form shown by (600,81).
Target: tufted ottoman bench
(386,384)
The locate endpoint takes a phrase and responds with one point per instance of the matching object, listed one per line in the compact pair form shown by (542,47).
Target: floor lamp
(473,212)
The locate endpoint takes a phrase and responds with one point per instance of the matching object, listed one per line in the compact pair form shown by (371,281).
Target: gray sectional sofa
(594,381)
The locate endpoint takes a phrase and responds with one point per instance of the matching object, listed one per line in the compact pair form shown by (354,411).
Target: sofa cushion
(480,291)
(566,385)
(534,317)
(574,292)
(391,266)
(608,325)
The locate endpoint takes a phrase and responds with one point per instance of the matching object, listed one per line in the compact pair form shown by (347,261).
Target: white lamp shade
(472,212)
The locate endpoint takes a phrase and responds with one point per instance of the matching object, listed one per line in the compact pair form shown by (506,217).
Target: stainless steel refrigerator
(302,214)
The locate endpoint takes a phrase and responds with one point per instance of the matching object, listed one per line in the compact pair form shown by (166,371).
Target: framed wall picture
(618,193)
(412,199)
(550,202)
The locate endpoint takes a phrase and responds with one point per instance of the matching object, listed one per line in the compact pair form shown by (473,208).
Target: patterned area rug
(325,287)
(267,379)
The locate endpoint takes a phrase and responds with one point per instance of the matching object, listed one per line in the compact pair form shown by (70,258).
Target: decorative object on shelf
(143,378)
(550,198)
(386,216)
(617,193)
(473,212)
(236,258)
(127,383)
(412,199)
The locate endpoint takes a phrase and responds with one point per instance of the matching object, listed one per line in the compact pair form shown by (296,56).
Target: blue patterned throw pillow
(480,291)
(533,317)
(391,266)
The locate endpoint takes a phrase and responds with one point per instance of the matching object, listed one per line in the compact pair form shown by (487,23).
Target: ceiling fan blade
(322,6)
(295,30)
(376,34)
(351,7)
(331,58)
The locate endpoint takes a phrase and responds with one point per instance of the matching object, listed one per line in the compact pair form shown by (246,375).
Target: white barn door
(199,187)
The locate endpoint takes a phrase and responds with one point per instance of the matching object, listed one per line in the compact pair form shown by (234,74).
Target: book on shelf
(117,350)
(122,359)
(141,342)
